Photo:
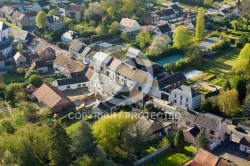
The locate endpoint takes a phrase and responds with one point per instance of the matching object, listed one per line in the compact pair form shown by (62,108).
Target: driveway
(232,153)
(237,135)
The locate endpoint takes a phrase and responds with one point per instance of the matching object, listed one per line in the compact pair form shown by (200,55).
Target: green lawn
(8,78)
(221,66)
(169,158)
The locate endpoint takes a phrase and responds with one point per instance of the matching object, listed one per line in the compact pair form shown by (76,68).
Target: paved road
(236,134)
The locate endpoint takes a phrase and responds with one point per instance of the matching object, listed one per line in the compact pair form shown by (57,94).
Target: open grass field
(221,66)
(8,78)
(173,157)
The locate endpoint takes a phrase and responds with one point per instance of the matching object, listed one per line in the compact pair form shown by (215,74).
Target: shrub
(63,45)
(95,38)
(21,71)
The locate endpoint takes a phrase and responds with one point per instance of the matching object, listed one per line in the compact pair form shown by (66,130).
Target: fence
(150,156)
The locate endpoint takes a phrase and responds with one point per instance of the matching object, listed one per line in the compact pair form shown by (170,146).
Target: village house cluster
(94,77)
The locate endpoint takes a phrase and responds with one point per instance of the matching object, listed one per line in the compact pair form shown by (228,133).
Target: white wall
(71,86)
(243,147)
(5,33)
(189,102)
(42,70)
(6,52)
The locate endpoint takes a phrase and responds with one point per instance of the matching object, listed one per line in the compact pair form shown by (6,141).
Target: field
(173,157)
(8,78)
(221,66)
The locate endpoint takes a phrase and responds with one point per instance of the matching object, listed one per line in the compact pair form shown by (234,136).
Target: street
(236,134)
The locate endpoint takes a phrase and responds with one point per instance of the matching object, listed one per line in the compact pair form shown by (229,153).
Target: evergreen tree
(227,85)
(201,140)
(200,24)
(242,89)
(83,141)
(59,149)
(179,139)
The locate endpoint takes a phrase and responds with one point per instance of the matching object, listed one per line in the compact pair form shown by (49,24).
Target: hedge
(96,38)
(63,45)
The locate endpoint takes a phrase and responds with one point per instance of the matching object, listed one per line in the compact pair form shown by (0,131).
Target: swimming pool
(172,58)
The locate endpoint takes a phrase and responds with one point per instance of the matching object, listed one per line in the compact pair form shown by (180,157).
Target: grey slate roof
(69,81)
(3,26)
(43,3)
(245,141)
(208,120)
(5,44)
(186,90)
(189,115)
(194,131)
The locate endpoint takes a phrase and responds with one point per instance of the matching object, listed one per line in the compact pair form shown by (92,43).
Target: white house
(101,59)
(185,96)
(39,5)
(20,59)
(163,28)
(244,145)
(5,32)
(68,36)
(71,83)
(129,25)
(6,48)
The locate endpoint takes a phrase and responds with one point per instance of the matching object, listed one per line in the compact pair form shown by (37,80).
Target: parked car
(239,129)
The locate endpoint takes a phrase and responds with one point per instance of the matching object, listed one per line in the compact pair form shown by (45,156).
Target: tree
(228,101)
(181,37)
(241,89)
(20,95)
(195,55)
(100,30)
(6,123)
(30,73)
(200,24)
(29,109)
(21,71)
(36,80)
(8,159)
(59,149)
(114,28)
(40,19)
(242,40)
(128,6)
(247,106)
(85,161)
(234,24)
(11,89)
(19,47)
(52,12)
(100,158)
(227,85)
(201,140)
(110,129)
(179,139)
(157,46)
(143,39)
(111,11)
(245,11)
(124,36)
(208,3)
(164,142)
(83,141)
(242,64)
(94,8)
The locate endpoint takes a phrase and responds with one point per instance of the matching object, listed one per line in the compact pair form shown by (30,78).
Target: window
(211,132)
(175,101)
(131,84)
(186,105)
(180,102)
(175,95)
(186,99)
(68,87)
(187,123)
(181,97)
(79,85)
(212,137)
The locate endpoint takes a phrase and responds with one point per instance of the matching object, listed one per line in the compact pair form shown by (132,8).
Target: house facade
(71,83)
(129,25)
(20,19)
(6,48)
(20,59)
(74,11)
(244,145)
(39,5)
(40,66)
(54,22)
(186,96)
(68,36)
(214,126)
(5,32)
